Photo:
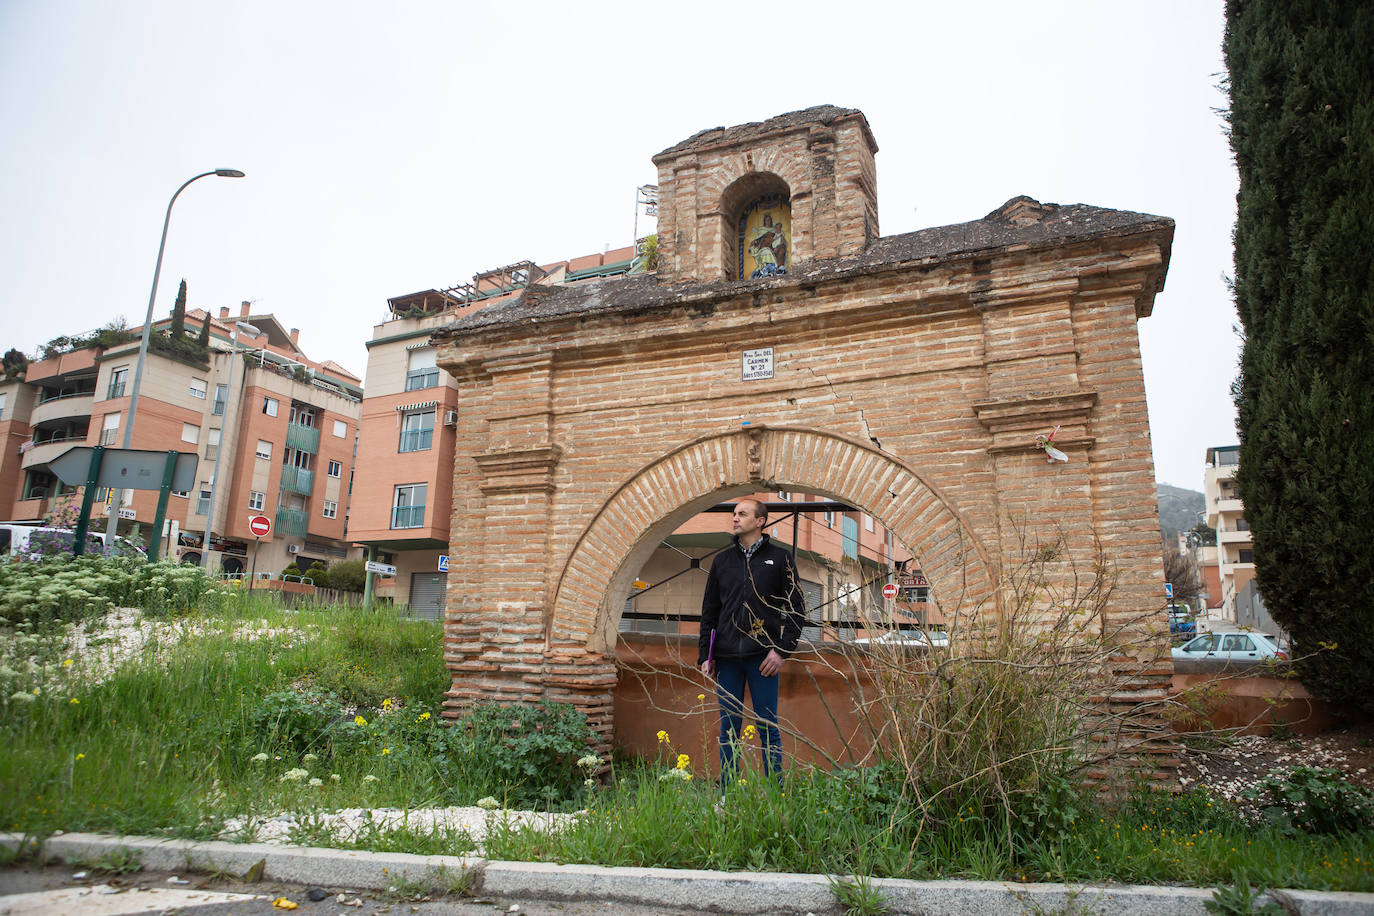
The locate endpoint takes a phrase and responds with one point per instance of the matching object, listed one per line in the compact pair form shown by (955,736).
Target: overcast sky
(391,148)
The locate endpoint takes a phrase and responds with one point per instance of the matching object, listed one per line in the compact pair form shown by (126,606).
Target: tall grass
(168,740)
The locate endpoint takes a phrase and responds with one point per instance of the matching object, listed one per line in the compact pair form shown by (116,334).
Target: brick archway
(681,483)
(909,375)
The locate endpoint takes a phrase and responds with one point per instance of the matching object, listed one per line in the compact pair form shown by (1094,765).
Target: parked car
(1231,646)
(1181,622)
(924,639)
(23,540)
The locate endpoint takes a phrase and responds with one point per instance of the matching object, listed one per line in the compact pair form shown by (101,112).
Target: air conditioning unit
(450,418)
(293,548)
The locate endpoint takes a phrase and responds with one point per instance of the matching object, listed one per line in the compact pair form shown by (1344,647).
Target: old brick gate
(910,376)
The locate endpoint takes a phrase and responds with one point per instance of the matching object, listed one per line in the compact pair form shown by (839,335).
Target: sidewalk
(726,892)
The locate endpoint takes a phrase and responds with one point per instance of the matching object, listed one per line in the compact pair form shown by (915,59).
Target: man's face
(745,521)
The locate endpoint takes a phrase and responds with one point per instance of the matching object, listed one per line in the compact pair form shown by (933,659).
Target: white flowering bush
(77,588)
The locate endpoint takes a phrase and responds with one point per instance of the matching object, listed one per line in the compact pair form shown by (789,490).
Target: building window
(303,416)
(417,430)
(256,500)
(183,494)
(190,432)
(335,469)
(109,430)
(264,449)
(421,371)
(269,406)
(221,399)
(212,445)
(868,522)
(829,519)
(203,502)
(1246,556)
(198,388)
(2,406)
(340,429)
(117,380)
(331,509)
(408,506)
(784,496)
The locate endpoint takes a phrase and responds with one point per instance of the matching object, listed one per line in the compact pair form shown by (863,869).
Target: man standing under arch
(751,619)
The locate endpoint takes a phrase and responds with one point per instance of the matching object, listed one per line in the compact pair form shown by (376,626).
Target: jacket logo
(767,562)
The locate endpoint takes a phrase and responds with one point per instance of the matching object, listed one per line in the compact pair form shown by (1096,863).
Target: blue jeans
(732,676)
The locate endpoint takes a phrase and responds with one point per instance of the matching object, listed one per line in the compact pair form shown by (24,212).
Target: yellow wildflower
(701,696)
(683,761)
(75,701)
(750,733)
(80,756)
(67,663)
(359,720)
(662,736)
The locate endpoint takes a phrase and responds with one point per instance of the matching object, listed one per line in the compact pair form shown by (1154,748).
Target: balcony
(302,438)
(297,480)
(31,510)
(408,516)
(47,451)
(116,390)
(63,407)
(292,523)
(416,440)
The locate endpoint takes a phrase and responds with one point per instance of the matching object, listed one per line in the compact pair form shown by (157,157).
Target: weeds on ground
(858,896)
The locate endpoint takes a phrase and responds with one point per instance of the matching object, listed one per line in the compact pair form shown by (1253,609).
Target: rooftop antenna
(646,196)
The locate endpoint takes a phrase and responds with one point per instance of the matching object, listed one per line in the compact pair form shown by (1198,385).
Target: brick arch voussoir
(675,486)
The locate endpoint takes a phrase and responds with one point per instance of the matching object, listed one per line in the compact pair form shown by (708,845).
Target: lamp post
(117,498)
(224,457)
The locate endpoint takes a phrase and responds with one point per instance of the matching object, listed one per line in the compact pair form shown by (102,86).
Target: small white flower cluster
(295,774)
(488,803)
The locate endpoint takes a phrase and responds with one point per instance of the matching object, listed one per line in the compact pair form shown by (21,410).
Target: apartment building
(404,492)
(1226,513)
(404,496)
(277,429)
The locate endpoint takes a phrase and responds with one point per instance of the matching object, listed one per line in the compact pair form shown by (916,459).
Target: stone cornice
(518,470)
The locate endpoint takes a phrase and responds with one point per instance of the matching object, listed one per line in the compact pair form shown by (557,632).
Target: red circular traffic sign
(890,590)
(260,525)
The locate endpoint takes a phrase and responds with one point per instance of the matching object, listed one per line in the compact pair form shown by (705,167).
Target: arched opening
(756,230)
(864,592)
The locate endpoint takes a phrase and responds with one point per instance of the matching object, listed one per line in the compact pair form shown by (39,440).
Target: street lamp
(224,458)
(117,498)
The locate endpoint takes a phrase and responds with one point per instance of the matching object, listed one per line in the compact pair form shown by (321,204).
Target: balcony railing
(408,516)
(421,378)
(218,408)
(116,390)
(61,395)
(109,436)
(302,438)
(211,452)
(416,440)
(297,480)
(292,522)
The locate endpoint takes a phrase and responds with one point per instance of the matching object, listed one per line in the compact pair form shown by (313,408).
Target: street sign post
(381,569)
(890,591)
(125,469)
(260,526)
(443,562)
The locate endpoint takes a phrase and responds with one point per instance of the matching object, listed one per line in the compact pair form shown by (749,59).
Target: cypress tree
(178,326)
(1301,78)
(203,341)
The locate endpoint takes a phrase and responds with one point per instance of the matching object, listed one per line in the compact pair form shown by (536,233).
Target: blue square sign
(443,562)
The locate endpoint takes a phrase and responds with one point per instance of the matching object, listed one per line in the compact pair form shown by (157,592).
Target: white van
(15,539)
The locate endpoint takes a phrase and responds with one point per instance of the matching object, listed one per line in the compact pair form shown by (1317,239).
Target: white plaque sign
(756,364)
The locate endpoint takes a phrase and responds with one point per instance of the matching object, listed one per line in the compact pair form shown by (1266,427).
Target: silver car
(1231,646)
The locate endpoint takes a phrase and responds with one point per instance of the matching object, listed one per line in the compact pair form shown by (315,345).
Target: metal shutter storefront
(427,594)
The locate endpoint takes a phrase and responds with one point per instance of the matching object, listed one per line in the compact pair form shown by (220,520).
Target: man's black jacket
(754,604)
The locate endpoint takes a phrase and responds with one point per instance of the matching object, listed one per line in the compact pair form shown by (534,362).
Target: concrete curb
(754,893)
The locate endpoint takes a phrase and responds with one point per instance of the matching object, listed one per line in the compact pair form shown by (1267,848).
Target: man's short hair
(760,510)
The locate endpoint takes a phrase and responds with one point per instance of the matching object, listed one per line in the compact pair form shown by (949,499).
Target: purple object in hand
(711,649)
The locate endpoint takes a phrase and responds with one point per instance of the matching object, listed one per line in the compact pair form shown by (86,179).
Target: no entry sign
(260,525)
(890,590)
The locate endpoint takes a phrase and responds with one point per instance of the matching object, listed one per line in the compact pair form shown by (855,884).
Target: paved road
(57,891)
